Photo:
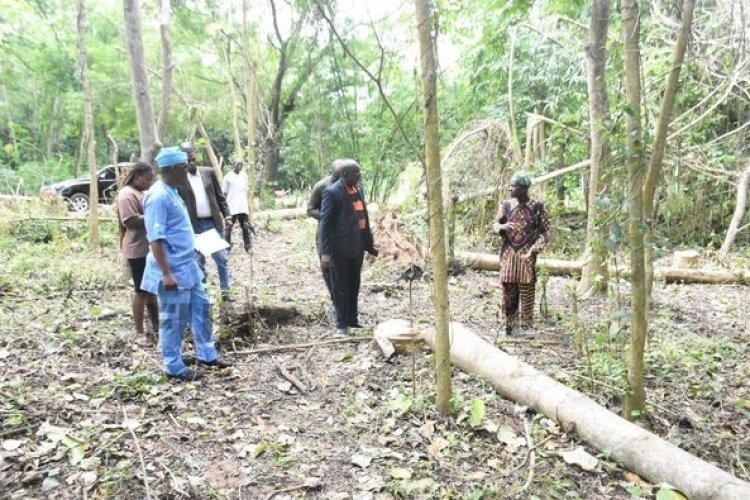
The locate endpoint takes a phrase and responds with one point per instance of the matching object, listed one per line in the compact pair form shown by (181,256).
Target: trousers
(246,230)
(177,309)
(515,295)
(345,277)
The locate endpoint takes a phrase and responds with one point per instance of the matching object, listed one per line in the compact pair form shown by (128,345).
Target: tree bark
(660,137)
(634,401)
(210,152)
(739,211)
(628,444)
(250,98)
(435,203)
(572,268)
(143,106)
(167,66)
(88,126)
(596,62)
(114,155)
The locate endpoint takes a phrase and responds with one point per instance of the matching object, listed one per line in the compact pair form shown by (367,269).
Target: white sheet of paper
(210,242)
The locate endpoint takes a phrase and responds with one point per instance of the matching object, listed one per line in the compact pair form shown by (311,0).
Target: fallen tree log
(624,442)
(282,213)
(556,267)
(491,262)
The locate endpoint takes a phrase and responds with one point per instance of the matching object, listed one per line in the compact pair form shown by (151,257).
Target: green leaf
(401,404)
(667,492)
(349,356)
(477,413)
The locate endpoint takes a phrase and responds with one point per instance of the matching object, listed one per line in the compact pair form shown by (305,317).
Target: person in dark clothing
(313,209)
(523,225)
(345,235)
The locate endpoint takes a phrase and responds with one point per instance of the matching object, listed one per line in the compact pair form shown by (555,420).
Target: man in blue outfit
(172,272)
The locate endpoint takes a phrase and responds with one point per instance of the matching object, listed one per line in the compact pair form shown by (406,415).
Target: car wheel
(79,202)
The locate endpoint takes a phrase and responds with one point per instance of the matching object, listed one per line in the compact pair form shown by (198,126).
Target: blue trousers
(177,309)
(220,257)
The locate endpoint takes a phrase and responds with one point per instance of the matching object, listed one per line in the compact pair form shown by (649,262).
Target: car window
(108,173)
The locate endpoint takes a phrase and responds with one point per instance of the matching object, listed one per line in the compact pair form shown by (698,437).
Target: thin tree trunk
(634,401)
(143,107)
(250,98)
(166,61)
(516,146)
(210,152)
(660,137)
(114,154)
(435,202)
(88,126)
(596,59)
(739,211)
(226,54)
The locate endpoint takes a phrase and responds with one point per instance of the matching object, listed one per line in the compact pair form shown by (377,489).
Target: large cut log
(702,276)
(491,262)
(635,448)
(556,267)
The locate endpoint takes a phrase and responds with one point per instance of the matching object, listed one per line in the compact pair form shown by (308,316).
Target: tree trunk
(739,211)
(515,145)
(572,268)
(660,137)
(491,262)
(270,154)
(435,203)
(250,98)
(144,109)
(634,401)
(166,61)
(88,126)
(210,152)
(628,444)
(114,155)
(599,124)
(226,55)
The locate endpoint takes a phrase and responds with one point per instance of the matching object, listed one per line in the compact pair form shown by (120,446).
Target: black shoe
(188,375)
(218,363)
(356,325)
(508,330)
(226,297)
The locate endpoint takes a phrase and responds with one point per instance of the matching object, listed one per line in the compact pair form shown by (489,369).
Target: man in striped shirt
(345,236)
(523,225)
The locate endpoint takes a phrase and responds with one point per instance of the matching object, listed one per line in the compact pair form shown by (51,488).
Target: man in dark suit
(345,235)
(208,210)
(314,206)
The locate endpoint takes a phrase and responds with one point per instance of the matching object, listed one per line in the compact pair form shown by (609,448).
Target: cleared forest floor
(85,411)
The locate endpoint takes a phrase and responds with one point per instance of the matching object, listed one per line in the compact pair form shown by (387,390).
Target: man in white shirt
(208,210)
(235,189)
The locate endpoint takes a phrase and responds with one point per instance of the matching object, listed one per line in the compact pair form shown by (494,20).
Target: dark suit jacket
(340,235)
(216,199)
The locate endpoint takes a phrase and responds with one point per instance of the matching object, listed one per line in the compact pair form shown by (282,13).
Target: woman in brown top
(134,245)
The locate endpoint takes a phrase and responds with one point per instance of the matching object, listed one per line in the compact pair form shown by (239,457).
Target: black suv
(76,191)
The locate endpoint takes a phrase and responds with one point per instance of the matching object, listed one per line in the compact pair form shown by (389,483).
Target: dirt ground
(85,412)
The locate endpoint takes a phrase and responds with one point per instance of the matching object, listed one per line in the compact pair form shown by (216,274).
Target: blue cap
(170,157)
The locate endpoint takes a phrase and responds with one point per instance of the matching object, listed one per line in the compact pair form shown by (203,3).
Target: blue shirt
(167,219)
